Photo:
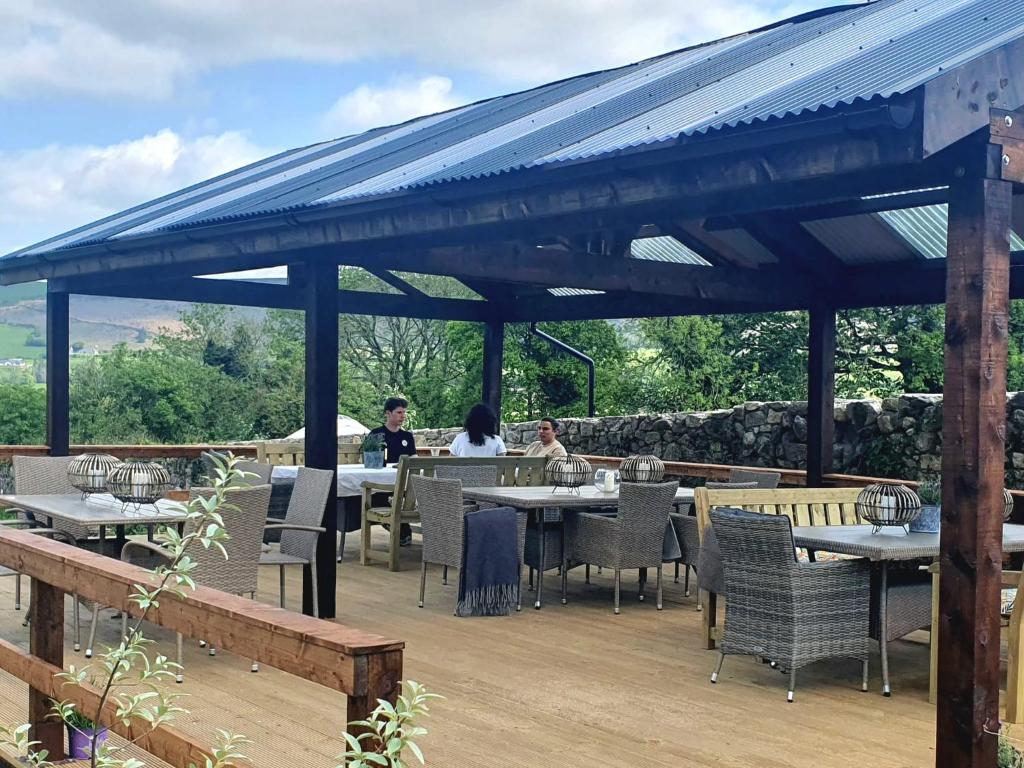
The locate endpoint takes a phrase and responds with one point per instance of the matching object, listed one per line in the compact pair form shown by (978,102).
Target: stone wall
(896,437)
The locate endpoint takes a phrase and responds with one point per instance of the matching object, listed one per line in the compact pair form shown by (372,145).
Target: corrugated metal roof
(805,64)
(666,249)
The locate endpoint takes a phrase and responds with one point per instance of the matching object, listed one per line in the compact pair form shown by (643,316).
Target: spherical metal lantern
(1007,504)
(88,473)
(642,469)
(569,472)
(138,482)
(888,504)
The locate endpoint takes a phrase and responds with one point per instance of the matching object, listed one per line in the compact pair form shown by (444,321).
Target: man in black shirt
(398,442)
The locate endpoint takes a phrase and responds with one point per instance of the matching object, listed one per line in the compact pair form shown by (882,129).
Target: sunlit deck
(568,685)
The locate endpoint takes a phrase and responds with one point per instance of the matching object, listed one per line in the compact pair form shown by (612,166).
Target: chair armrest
(831,574)
(53,533)
(290,527)
(21,521)
(1012,579)
(372,485)
(600,521)
(143,547)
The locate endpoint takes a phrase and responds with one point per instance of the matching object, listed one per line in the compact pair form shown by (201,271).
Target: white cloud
(369,106)
(44,192)
(145,49)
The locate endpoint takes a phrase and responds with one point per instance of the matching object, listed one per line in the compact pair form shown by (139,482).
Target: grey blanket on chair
(489,577)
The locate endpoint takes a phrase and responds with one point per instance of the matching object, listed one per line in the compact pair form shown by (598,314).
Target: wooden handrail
(133,451)
(364,666)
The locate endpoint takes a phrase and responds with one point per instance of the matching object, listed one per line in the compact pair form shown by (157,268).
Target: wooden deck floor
(566,686)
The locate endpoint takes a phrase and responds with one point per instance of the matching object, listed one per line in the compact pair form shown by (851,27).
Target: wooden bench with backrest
(803,506)
(293,453)
(401,505)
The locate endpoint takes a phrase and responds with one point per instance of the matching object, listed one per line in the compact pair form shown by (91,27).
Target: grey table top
(541,496)
(887,544)
(99,509)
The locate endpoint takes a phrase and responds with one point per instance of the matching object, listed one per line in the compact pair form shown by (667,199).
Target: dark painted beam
(795,246)
(396,282)
(494,356)
(321,304)
(821,392)
(973,427)
(58,373)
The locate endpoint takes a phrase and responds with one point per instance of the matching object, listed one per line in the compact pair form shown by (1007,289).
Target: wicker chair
(788,612)
(631,539)
(442,512)
(685,527)
(471,476)
(301,527)
(761,479)
(262,470)
(238,574)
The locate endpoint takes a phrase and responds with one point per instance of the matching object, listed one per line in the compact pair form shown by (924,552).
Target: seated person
(480,434)
(398,442)
(547,444)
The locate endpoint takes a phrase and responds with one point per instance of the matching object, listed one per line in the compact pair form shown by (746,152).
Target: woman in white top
(480,435)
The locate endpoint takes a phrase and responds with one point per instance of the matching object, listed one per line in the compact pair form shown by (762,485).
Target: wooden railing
(364,666)
(133,451)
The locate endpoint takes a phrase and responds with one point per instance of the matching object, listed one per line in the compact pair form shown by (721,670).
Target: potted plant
(373,451)
(930,493)
(80,735)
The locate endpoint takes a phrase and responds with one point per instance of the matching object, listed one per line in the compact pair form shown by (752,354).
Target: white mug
(435,450)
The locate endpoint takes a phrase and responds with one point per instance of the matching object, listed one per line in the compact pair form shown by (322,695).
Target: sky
(107,103)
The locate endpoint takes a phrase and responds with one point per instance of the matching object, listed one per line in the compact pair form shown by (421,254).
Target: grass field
(12,343)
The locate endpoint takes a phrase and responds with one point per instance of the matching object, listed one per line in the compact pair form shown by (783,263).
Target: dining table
(884,547)
(545,503)
(350,476)
(98,510)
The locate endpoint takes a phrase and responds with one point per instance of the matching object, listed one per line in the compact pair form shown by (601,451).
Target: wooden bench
(288,453)
(803,506)
(401,507)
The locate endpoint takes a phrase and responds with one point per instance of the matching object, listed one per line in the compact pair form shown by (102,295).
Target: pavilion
(861,155)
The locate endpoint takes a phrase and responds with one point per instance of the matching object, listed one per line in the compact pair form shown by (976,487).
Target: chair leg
(686,582)
(124,626)
(281,580)
(618,585)
(565,580)
(586,569)
(718,667)
(531,579)
(423,581)
(364,541)
(17,591)
(76,617)
(180,676)
(315,588)
(675,578)
(864,680)
(92,630)
(519,588)
(394,539)
(792,685)
(444,575)
(642,584)
(660,589)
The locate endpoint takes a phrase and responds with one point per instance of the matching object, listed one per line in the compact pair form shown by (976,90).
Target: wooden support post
(494,354)
(46,641)
(58,371)
(973,429)
(821,392)
(321,298)
(384,677)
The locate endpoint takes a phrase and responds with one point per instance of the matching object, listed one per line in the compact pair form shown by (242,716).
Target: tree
(23,416)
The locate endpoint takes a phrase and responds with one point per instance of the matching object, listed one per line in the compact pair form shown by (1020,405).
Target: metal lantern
(1007,504)
(642,469)
(888,504)
(138,482)
(88,472)
(569,472)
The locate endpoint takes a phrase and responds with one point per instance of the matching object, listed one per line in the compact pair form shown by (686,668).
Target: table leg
(103,539)
(540,568)
(883,627)
(119,540)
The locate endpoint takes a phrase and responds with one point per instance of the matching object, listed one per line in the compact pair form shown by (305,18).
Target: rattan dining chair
(261,472)
(685,527)
(301,527)
(634,538)
(761,478)
(442,513)
(784,611)
(244,516)
(470,476)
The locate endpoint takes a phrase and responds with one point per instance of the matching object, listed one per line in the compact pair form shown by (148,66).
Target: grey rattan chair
(632,539)
(471,476)
(238,574)
(46,475)
(301,527)
(261,471)
(762,479)
(782,610)
(685,527)
(442,511)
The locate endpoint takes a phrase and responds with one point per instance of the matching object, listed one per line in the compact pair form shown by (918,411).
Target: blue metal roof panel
(666,249)
(836,57)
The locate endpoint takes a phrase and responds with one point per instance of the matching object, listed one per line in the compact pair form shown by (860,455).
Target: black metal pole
(320,288)
(58,373)
(572,352)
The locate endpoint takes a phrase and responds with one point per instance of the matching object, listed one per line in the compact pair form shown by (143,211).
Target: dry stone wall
(896,437)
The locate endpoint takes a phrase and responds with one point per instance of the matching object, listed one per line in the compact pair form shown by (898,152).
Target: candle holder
(88,473)
(568,472)
(642,469)
(136,482)
(888,505)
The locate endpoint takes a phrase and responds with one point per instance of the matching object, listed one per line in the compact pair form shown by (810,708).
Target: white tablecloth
(350,476)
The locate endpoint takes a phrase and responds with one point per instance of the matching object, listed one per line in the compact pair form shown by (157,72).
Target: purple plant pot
(80,742)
